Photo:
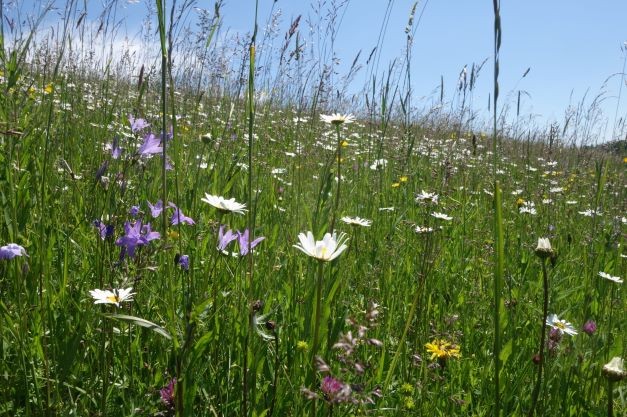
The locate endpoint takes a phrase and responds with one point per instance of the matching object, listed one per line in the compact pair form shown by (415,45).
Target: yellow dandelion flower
(344,144)
(441,349)
(302,346)
(396,185)
(403,178)
(48,88)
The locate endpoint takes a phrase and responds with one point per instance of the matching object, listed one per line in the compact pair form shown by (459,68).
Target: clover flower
(167,394)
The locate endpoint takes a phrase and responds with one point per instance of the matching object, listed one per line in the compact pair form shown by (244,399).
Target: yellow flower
(625,160)
(48,88)
(403,178)
(441,349)
(172,234)
(520,202)
(344,144)
(302,346)
(396,185)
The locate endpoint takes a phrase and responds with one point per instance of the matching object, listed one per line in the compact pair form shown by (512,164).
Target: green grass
(61,354)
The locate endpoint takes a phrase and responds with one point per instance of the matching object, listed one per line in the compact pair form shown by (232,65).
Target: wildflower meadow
(217,225)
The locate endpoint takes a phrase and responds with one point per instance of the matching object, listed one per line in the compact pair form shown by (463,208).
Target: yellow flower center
(113,299)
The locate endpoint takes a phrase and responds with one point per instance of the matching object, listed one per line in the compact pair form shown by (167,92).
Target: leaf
(506,352)
(143,323)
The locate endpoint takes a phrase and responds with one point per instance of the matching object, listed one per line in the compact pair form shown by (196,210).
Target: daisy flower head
(615,369)
(112,297)
(224,205)
(423,229)
(330,247)
(356,221)
(425,197)
(441,349)
(544,249)
(441,216)
(561,325)
(337,119)
(607,276)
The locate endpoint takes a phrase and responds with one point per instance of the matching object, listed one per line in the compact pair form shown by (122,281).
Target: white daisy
(337,118)
(112,297)
(544,246)
(427,197)
(441,216)
(615,369)
(358,221)
(327,249)
(423,229)
(224,205)
(562,325)
(611,278)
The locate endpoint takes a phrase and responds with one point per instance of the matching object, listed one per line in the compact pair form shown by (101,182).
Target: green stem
(339,178)
(318,313)
(545,308)
(401,343)
(610,398)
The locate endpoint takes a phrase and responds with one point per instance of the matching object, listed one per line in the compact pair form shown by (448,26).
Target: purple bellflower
(225,238)
(183,262)
(136,235)
(151,145)
(243,239)
(155,211)
(12,250)
(106,230)
(116,151)
(137,124)
(179,217)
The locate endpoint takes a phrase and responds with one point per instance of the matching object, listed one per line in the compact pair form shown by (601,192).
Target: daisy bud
(544,249)
(615,369)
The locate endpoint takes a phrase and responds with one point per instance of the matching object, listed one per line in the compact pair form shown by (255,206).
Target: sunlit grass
(394,319)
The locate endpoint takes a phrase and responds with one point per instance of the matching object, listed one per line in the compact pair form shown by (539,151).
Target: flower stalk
(545,312)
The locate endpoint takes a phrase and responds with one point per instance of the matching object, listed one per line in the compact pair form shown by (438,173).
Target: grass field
(149,274)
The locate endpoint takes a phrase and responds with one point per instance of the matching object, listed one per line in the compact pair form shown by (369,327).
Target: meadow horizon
(227,228)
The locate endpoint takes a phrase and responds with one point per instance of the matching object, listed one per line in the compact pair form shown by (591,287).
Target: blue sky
(572,47)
